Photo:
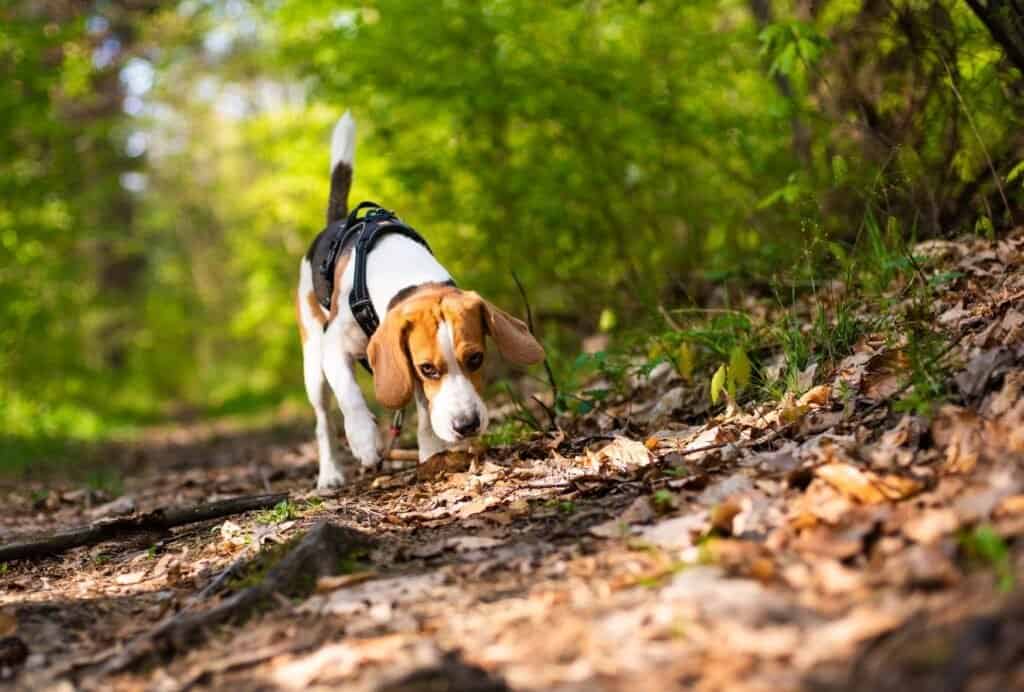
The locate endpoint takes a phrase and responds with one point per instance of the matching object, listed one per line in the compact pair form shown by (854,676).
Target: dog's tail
(343,155)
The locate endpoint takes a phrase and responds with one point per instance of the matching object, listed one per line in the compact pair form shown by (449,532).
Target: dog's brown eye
(475,361)
(429,371)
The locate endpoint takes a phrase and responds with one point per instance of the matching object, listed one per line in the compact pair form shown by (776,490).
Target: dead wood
(403,455)
(157,520)
(321,552)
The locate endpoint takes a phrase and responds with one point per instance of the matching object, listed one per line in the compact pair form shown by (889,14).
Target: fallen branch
(403,455)
(157,520)
(317,554)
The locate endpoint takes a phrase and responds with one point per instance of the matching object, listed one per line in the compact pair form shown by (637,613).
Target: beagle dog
(429,345)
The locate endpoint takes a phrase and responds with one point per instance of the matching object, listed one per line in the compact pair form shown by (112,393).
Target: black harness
(365,232)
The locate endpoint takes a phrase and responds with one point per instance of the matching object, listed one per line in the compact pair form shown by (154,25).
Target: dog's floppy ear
(511,335)
(392,376)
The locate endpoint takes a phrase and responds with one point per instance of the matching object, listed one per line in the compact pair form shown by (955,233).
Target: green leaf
(1015,172)
(686,359)
(739,368)
(718,383)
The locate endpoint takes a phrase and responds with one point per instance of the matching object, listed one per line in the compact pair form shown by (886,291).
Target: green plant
(663,501)
(927,376)
(507,432)
(733,377)
(982,545)
(281,512)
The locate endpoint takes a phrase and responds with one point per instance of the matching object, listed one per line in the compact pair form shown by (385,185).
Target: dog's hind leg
(332,474)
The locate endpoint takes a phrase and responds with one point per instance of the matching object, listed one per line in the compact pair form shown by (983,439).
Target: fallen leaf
(623,454)
(865,486)
(882,374)
(957,432)
(931,525)
(816,396)
(805,378)
(130,578)
(519,508)
(677,533)
(8,623)
(722,514)
(1010,506)
(834,578)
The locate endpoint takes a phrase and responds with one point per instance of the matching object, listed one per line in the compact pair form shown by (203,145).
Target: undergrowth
(840,297)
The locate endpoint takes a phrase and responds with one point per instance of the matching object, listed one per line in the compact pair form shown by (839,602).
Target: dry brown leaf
(883,373)
(623,454)
(954,315)
(1009,396)
(472,507)
(820,502)
(931,525)
(957,432)
(834,578)
(442,464)
(816,396)
(1010,506)
(723,513)
(865,486)
(519,507)
(130,578)
(8,623)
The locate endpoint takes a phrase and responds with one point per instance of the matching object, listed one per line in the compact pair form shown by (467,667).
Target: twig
(157,520)
(668,318)
(404,455)
(547,365)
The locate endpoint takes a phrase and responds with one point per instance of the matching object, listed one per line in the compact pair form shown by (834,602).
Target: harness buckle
(364,313)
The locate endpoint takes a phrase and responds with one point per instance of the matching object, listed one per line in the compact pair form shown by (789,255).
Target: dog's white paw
(331,476)
(364,442)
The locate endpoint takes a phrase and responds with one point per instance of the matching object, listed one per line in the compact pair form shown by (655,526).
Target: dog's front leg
(360,426)
(428,442)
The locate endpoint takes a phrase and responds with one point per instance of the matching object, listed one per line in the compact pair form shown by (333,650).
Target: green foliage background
(163,166)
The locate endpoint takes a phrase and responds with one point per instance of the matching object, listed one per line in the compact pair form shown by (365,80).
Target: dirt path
(824,542)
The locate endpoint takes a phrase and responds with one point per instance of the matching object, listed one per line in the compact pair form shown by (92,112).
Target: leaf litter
(806,542)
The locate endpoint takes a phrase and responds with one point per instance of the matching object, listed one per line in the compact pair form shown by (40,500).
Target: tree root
(157,520)
(323,551)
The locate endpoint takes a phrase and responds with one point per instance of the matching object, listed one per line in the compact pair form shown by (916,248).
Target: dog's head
(435,338)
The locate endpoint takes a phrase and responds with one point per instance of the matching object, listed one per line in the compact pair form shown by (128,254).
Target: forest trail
(823,542)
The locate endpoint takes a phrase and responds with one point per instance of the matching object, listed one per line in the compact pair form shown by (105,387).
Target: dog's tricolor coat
(430,344)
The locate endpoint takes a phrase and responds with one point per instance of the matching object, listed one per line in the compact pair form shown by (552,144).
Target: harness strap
(365,232)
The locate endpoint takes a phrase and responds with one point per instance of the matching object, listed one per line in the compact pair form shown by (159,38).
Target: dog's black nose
(467,425)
